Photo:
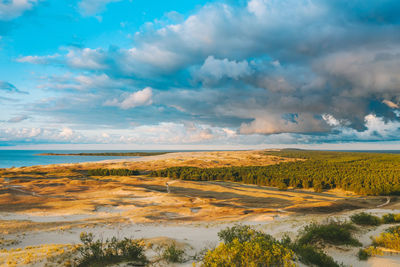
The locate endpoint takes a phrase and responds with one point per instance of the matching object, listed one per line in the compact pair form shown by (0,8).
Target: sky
(199,74)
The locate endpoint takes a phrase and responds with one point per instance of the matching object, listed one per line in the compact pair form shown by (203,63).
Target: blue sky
(199,74)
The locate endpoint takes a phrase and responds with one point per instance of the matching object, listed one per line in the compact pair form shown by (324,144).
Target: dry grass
(44,255)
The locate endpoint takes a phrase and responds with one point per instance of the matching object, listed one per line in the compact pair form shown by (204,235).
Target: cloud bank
(278,70)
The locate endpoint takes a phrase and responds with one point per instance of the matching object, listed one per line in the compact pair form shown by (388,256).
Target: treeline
(112,172)
(363,173)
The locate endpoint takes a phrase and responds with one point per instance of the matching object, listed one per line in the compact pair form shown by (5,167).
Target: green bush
(173,254)
(388,218)
(390,239)
(242,233)
(255,252)
(363,254)
(310,255)
(245,246)
(335,233)
(391,218)
(364,218)
(101,253)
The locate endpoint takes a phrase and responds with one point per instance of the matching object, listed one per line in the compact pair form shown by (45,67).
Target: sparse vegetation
(112,172)
(390,239)
(365,253)
(335,233)
(173,254)
(391,218)
(313,256)
(101,253)
(365,219)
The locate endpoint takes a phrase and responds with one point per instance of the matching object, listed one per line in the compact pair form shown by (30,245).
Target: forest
(362,173)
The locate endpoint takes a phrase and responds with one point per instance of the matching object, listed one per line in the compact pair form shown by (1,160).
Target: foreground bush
(310,255)
(173,254)
(365,219)
(391,218)
(334,233)
(256,252)
(242,233)
(99,253)
(390,239)
(244,246)
(365,253)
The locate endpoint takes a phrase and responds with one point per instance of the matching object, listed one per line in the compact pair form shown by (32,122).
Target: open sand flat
(206,159)
(45,208)
(142,199)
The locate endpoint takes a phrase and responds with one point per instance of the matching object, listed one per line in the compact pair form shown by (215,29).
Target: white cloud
(136,99)
(330,120)
(66,133)
(86,58)
(12,9)
(39,59)
(219,68)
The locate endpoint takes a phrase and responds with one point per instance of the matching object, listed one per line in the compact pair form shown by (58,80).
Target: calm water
(19,158)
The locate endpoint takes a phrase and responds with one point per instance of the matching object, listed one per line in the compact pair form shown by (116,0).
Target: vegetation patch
(391,218)
(365,219)
(102,253)
(390,239)
(365,253)
(112,172)
(335,233)
(244,246)
(172,254)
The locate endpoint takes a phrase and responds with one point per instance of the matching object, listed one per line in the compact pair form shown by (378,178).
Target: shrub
(99,253)
(391,218)
(365,219)
(242,233)
(388,218)
(244,246)
(333,233)
(310,255)
(173,254)
(255,252)
(390,239)
(363,254)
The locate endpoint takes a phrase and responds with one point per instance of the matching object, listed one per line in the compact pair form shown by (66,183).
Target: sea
(21,158)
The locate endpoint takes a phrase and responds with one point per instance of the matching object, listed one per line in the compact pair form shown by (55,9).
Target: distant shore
(107,154)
